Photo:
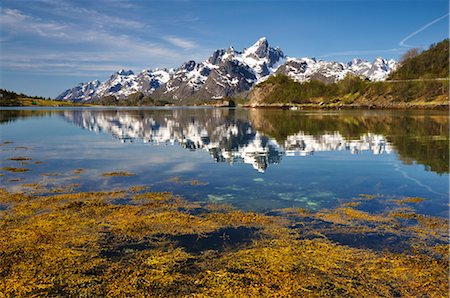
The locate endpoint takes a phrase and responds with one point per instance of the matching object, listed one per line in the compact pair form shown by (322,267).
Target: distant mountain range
(226,73)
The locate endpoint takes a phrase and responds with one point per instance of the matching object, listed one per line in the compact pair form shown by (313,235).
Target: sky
(48,46)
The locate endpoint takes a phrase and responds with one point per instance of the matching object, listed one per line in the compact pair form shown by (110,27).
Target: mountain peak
(379,60)
(259,48)
(262,40)
(124,72)
(216,57)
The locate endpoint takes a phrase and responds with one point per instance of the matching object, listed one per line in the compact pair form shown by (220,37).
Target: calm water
(253,159)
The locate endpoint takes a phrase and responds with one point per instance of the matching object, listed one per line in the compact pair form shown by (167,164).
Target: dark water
(253,159)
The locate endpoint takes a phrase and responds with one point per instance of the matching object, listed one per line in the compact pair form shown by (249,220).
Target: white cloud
(60,37)
(13,21)
(11,16)
(84,15)
(180,42)
(96,49)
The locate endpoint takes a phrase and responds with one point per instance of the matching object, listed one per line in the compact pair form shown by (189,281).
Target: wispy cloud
(13,20)
(180,42)
(92,17)
(404,40)
(402,43)
(98,48)
(62,37)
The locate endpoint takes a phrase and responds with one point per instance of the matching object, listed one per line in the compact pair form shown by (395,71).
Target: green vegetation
(351,90)
(12,99)
(432,63)
(139,99)
(282,89)
(135,99)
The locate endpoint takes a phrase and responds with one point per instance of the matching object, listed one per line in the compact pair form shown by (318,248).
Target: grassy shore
(436,105)
(34,102)
(315,104)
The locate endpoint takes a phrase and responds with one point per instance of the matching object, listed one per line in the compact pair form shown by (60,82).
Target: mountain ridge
(225,73)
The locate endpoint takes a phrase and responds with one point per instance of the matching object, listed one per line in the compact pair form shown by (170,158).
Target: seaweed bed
(85,244)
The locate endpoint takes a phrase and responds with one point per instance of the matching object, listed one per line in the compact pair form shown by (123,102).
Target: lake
(253,159)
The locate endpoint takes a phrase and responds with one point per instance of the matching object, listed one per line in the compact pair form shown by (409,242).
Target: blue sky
(48,46)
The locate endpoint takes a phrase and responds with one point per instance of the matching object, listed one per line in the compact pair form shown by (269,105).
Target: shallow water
(252,159)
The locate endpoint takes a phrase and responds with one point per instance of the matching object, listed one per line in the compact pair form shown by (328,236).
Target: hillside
(13,99)
(417,82)
(432,63)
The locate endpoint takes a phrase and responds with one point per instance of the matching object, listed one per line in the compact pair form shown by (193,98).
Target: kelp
(19,158)
(85,244)
(15,170)
(118,174)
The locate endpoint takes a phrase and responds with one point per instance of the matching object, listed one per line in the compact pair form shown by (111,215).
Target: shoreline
(406,106)
(400,106)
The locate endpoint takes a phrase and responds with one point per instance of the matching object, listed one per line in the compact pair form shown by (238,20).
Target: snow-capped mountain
(120,84)
(227,73)
(81,92)
(305,69)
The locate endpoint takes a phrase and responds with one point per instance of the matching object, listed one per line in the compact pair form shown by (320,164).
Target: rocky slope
(120,84)
(226,73)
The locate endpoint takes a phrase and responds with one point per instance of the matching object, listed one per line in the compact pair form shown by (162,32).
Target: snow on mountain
(81,92)
(305,69)
(150,80)
(381,68)
(260,57)
(191,75)
(224,73)
(120,84)
(227,73)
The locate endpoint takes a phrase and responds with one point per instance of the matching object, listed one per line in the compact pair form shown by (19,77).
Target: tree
(409,54)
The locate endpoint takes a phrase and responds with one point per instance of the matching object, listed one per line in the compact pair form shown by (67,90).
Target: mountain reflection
(229,136)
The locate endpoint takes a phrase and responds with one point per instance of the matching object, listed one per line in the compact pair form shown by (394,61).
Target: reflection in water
(355,152)
(228,135)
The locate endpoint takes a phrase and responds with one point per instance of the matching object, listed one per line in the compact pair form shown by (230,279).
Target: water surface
(250,158)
